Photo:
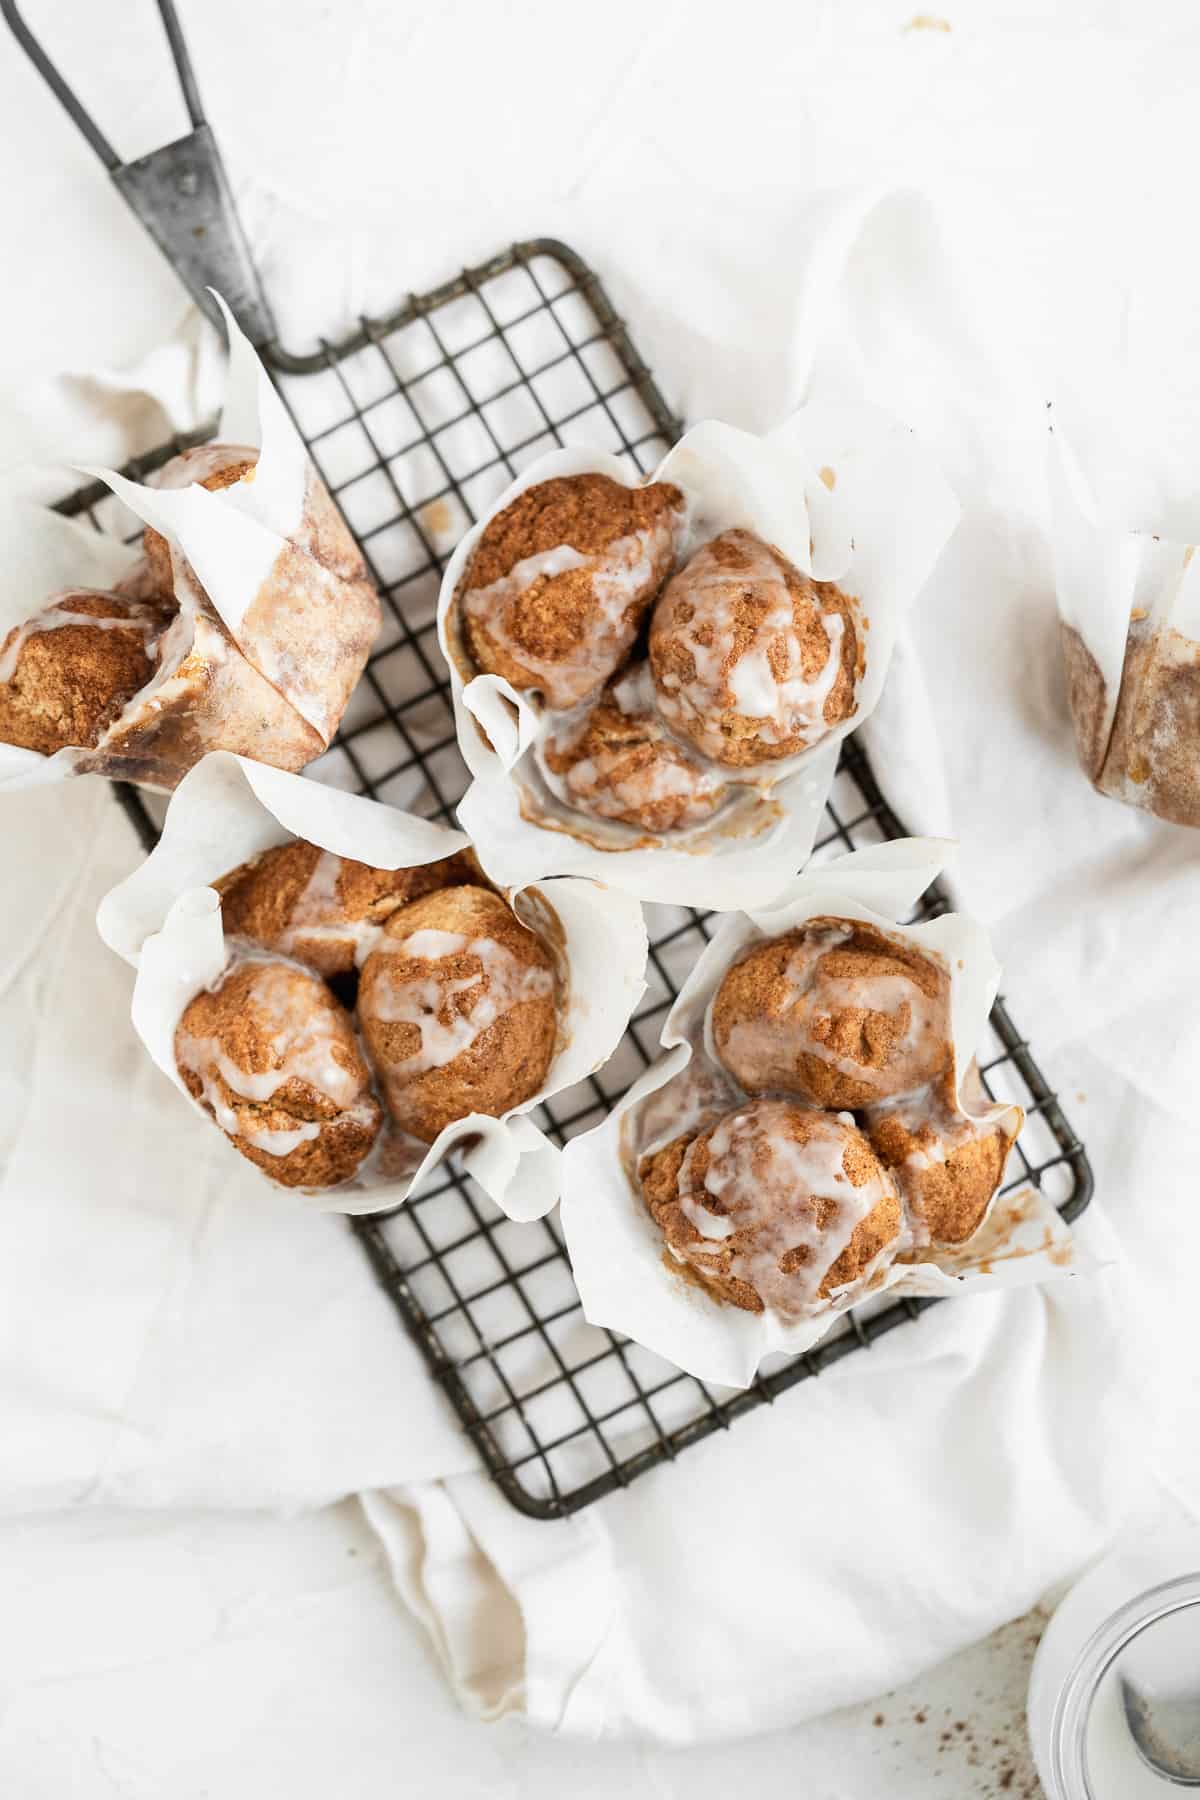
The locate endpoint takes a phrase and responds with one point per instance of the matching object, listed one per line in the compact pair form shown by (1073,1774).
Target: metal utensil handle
(180,193)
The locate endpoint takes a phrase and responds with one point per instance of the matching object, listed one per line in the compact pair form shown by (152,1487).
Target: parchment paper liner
(166,921)
(848,496)
(617,1252)
(1129,619)
(277,611)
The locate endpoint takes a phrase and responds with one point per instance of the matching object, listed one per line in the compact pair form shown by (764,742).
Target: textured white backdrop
(690,154)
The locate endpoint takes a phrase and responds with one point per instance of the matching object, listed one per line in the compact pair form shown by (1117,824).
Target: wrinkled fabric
(173,1336)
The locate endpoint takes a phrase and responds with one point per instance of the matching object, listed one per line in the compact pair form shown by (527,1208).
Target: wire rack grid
(417,422)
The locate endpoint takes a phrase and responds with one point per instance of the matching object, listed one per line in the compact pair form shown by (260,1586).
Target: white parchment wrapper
(617,1251)
(268,563)
(166,921)
(848,496)
(271,552)
(1129,612)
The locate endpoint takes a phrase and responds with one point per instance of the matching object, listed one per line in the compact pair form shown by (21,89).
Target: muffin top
(457,1004)
(753,660)
(948,1165)
(71,669)
(836,1012)
(322,909)
(560,580)
(620,762)
(775,1207)
(272,1056)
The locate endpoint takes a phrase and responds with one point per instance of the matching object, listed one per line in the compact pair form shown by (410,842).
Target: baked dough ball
(457,1006)
(835,1012)
(752,660)
(211,466)
(620,762)
(69,671)
(562,578)
(324,910)
(774,1207)
(947,1165)
(272,1056)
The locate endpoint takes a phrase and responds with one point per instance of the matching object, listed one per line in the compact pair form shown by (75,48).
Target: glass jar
(1123,1610)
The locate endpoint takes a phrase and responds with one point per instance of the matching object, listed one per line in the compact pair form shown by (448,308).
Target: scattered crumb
(992,1763)
(437,517)
(1081,1098)
(879,1719)
(927,22)
(829,477)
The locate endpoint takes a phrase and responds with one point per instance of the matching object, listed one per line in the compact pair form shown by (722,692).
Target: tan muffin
(752,660)
(561,579)
(204,696)
(272,1056)
(1152,758)
(211,466)
(457,1007)
(774,1207)
(324,910)
(620,762)
(835,1012)
(69,671)
(948,1167)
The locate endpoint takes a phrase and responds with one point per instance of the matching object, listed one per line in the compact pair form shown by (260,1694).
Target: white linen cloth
(173,1336)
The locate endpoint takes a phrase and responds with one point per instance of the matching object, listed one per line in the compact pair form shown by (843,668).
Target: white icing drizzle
(282,1143)
(621,575)
(424,997)
(757,1049)
(54,616)
(634,692)
(777,1195)
(320,895)
(595,785)
(783,706)
(599,785)
(301,1040)
(316,917)
(952,1130)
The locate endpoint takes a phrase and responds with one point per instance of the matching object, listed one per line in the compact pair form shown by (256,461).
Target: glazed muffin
(67,673)
(775,1207)
(458,1010)
(272,1057)
(947,1165)
(837,1013)
(620,762)
(211,466)
(324,910)
(561,579)
(752,660)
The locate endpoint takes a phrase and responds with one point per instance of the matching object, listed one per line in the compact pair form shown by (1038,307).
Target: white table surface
(236,1655)
(252,1656)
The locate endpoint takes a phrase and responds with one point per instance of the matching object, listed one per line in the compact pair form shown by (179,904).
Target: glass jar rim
(1072,1709)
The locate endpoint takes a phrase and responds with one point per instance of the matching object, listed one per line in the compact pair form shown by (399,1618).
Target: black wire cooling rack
(417,422)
